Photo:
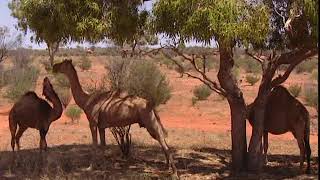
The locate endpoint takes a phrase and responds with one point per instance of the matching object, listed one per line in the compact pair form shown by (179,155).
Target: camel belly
(276,125)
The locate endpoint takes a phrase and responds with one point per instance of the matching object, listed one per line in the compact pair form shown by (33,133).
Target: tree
(229,23)
(292,40)
(6,43)
(57,21)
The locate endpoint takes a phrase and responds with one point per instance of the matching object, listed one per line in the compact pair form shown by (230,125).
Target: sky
(7,20)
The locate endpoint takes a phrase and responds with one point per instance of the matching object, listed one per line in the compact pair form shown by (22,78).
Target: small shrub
(21,58)
(140,78)
(194,101)
(314,75)
(311,97)
(74,113)
(307,66)
(61,81)
(20,81)
(208,64)
(249,65)
(202,92)
(85,63)
(64,95)
(295,90)
(252,79)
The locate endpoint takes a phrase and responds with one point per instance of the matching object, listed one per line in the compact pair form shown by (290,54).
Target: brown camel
(30,111)
(285,113)
(110,109)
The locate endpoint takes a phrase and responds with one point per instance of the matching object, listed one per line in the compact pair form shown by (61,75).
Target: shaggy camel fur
(109,109)
(30,111)
(285,113)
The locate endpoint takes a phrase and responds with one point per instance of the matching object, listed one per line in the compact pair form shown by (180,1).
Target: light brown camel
(30,111)
(285,113)
(109,109)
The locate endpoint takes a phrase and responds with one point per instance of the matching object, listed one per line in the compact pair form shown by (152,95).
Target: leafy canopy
(226,21)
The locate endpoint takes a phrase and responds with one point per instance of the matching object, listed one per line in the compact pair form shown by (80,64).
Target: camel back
(280,101)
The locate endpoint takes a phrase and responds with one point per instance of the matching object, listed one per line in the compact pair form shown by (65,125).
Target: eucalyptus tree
(290,34)
(58,21)
(7,42)
(228,22)
(293,38)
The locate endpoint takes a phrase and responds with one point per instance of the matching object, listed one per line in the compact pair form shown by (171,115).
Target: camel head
(64,67)
(47,90)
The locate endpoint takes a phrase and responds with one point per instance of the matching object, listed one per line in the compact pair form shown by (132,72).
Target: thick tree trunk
(255,158)
(237,107)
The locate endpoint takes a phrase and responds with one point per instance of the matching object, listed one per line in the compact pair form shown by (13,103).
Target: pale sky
(7,20)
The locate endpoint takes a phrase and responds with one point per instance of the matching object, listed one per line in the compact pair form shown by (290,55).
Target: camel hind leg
(13,129)
(19,134)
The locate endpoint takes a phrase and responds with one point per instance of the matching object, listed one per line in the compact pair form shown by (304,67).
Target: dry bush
(74,113)
(202,92)
(252,79)
(294,90)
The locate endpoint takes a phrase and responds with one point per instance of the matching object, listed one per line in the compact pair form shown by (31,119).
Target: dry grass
(199,137)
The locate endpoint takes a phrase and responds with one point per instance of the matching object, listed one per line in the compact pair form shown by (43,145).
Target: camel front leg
(102,136)
(93,129)
(265,146)
(43,142)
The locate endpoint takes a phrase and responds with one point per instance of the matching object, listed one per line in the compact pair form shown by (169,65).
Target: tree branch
(211,84)
(293,59)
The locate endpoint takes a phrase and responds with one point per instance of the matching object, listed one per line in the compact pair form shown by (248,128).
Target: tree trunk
(237,107)
(52,48)
(255,158)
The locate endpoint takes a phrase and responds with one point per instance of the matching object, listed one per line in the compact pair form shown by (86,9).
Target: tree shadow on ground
(72,162)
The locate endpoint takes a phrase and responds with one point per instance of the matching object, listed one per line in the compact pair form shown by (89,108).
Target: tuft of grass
(252,79)
(202,92)
(311,96)
(73,112)
(194,101)
(295,90)
(85,63)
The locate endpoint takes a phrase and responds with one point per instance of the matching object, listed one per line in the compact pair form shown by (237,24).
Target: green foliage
(85,63)
(252,79)
(311,97)
(225,20)
(202,92)
(20,81)
(73,112)
(295,90)
(139,78)
(307,66)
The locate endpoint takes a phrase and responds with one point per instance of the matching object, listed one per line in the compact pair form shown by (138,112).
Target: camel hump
(280,90)
(30,93)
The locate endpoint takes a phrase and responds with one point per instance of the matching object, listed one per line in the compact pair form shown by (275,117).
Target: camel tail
(165,132)
(307,140)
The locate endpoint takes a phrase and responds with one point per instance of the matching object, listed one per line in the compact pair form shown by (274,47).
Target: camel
(113,109)
(30,111)
(285,113)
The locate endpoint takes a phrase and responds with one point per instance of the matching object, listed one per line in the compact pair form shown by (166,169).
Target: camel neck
(57,107)
(79,96)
